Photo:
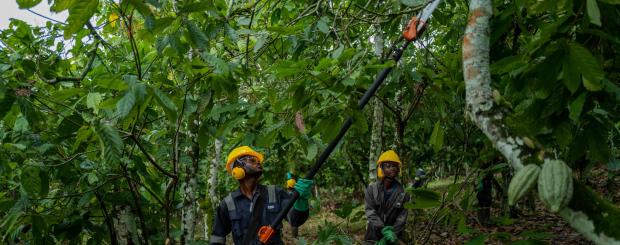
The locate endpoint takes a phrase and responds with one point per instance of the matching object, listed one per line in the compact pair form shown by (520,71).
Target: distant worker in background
(291,180)
(253,205)
(384,202)
(420,178)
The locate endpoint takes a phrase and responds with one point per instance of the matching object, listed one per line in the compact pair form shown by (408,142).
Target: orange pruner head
(264,233)
(411,31)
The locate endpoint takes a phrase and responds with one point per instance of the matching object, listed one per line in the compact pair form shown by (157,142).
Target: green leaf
(611,1)
(165,102)
(322,25)
(21,125)
(30,181)
(125,104)
(312,149)
(436,139)
(593,12)
(6,103)
(79,14)
(111,143)
(61,5)
(197,36)
(592,85)
(423,199)
(93,100)
(140,6)
(220,65)
(570,76)
(69,125)
(586,63)
(92,178)
(111,82)
(576,107)
(26,4)
(259,43)
(45,183)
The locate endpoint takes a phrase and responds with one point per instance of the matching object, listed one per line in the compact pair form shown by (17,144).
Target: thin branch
(150,158)
(414,104)
(89,67)
(392,109)
(107,218)
(93,31)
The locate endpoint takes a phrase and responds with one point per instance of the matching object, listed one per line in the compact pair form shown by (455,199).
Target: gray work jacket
(382,212)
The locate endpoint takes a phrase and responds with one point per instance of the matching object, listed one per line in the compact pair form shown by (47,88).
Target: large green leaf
(125,104)
(576,107)
(436,139)
(586,63)
(197,36)
(79,14)
(593,12)
(26,4)
(31,181)
(220,65)
(6,103)
(165,102)
(423,199)
(111,143)
(93,100)
(60,5)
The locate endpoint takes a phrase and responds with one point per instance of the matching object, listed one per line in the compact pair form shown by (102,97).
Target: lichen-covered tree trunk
(587,212)
(212,184)
(125,225)
(376,137)
(190,187)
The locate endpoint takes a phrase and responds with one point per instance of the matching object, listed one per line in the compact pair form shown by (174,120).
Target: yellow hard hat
(388,156)
(239,152)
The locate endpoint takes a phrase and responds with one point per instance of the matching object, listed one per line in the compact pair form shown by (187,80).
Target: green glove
(303,187)
(389,235)
(382,242)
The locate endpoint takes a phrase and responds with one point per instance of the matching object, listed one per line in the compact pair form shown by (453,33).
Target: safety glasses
(252,160)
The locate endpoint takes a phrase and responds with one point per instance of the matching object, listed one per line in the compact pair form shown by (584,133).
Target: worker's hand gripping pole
(411,32)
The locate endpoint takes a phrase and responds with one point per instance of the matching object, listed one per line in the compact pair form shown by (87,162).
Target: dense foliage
(110,120)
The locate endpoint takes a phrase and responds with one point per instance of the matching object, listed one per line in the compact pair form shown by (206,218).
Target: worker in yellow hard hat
(253,205)
(384,202)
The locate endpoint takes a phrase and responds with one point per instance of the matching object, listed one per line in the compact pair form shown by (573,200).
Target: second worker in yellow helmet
(384,202)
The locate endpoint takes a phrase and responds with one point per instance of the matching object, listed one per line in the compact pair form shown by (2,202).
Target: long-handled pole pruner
(413,30)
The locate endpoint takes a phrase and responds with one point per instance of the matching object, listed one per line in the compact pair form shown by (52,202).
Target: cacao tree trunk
(588,213)
(376,137)
(190,187)
(212,196)
(125,225)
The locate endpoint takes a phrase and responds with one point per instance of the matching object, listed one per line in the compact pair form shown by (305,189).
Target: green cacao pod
(522,182)
(555,184)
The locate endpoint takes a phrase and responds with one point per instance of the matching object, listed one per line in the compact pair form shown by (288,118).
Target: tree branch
(89,67)
(150,158)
